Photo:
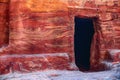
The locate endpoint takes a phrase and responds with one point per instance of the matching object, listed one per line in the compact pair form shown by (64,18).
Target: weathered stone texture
(47,26)
(4,1)
(3,23)
(34,62)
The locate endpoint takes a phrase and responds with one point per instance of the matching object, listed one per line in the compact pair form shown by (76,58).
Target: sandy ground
(113,74)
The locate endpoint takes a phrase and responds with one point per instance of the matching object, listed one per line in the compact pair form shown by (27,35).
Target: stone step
(35,62)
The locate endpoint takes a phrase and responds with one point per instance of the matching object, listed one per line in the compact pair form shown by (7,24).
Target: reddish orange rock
(3,23)
(36,27)
(116,57)
(34,62)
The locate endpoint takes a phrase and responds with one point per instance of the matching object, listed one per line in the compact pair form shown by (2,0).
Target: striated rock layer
(47,27)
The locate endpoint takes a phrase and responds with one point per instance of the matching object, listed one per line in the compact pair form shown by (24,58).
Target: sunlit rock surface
(47,27)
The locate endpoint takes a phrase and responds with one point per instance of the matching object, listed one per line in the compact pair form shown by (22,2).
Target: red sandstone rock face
(41,32)
(44,26)
(44,32)
(3,23)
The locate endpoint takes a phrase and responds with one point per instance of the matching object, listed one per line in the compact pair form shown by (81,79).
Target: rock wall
(4,32)
(47,27)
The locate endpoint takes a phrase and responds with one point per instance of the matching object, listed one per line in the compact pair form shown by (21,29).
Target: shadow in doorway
(84,30)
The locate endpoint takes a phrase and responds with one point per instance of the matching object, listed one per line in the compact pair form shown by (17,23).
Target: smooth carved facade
(39,34)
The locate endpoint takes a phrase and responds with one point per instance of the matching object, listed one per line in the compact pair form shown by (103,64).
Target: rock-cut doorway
(84,30)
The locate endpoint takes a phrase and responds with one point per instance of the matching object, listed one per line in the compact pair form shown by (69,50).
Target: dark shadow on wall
(84,31)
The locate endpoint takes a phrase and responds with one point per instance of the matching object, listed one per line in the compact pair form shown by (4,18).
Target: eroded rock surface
(47,26)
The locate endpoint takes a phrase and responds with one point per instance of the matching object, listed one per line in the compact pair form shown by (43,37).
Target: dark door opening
(84,31)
